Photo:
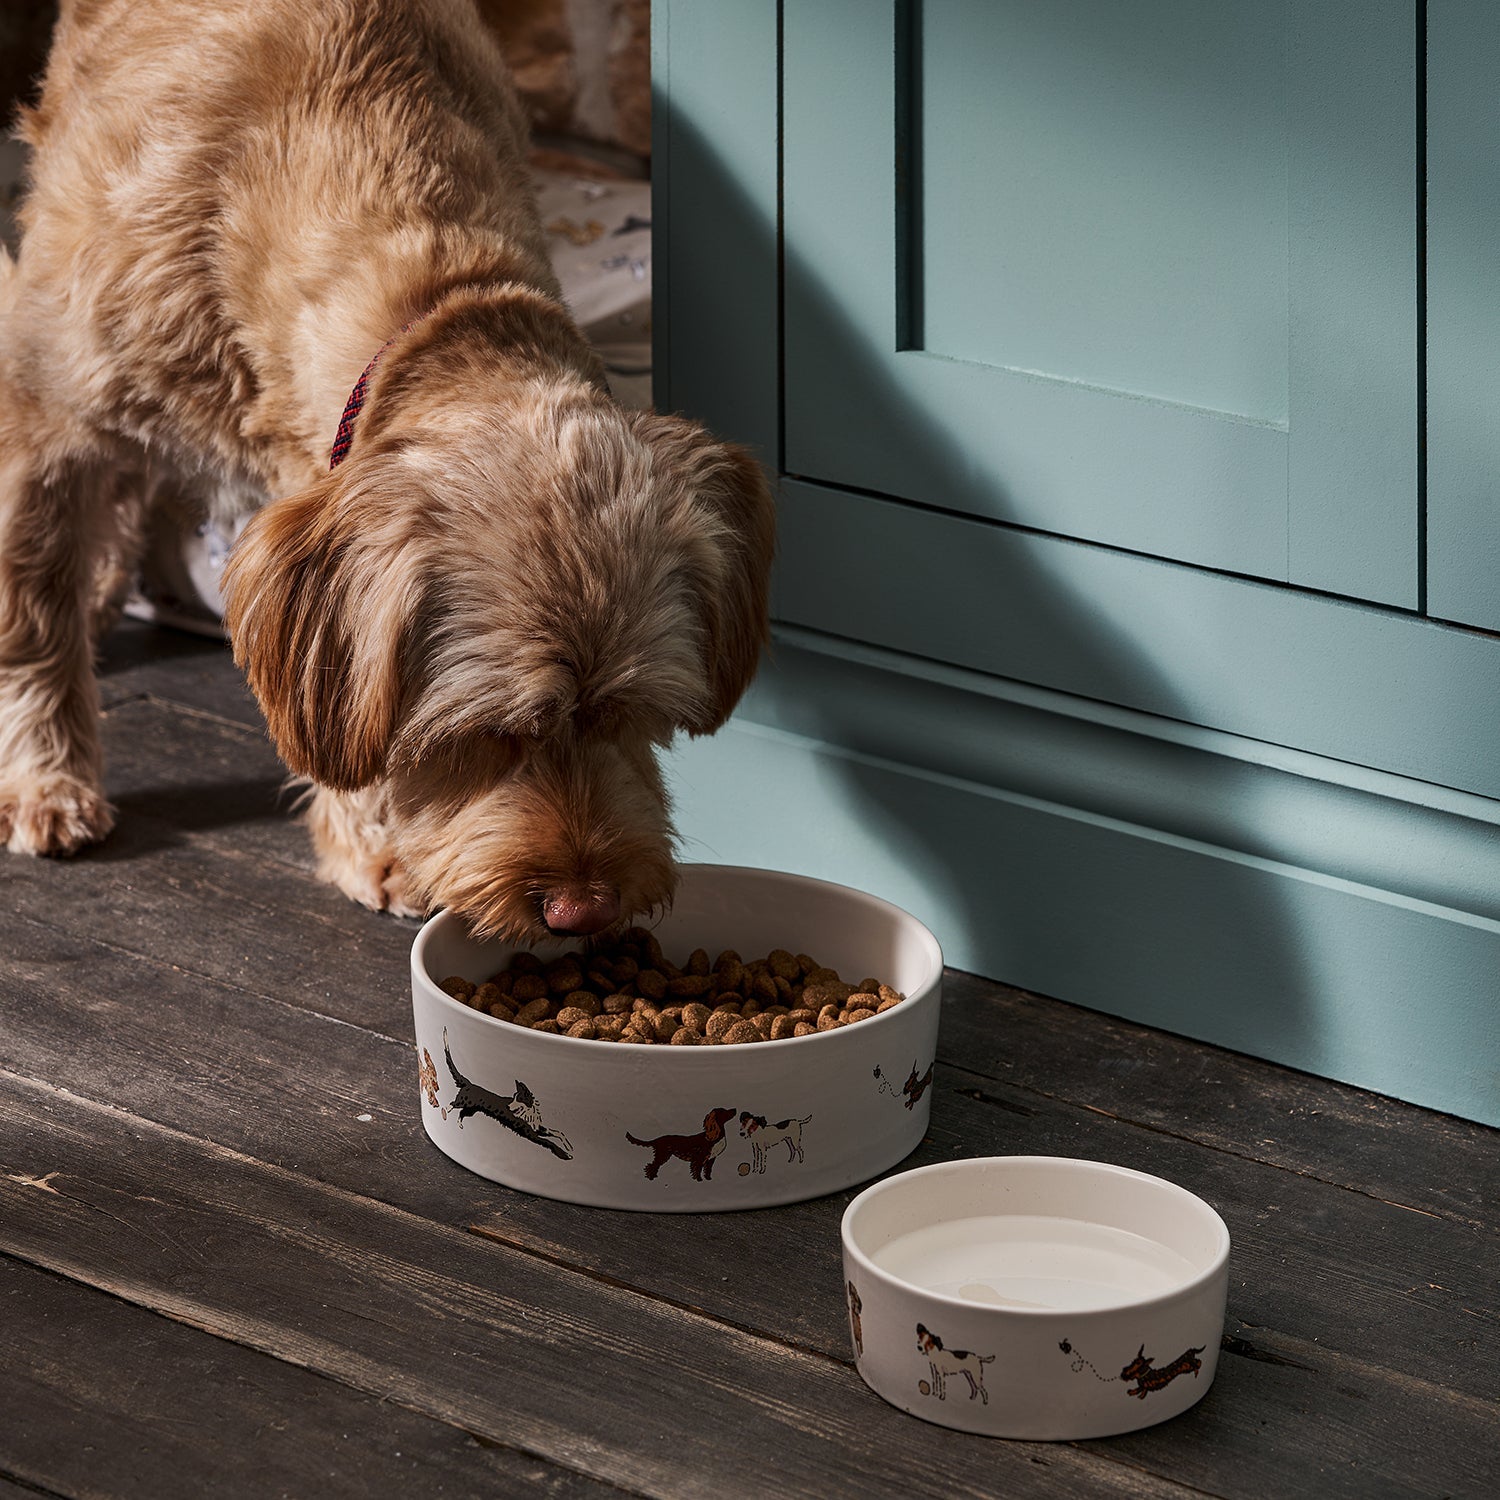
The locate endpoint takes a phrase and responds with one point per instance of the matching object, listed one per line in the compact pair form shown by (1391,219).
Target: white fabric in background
(599,238)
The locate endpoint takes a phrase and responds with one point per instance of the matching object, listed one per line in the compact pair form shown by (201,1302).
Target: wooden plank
(14,1489)
(270,952)
(1299,1386)
(243,1076)
(137,659)
(103,1397)
(1431,1163)
(208,870)
(511,1348)
(1317,1269)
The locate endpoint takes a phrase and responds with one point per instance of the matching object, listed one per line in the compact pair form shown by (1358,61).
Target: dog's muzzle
(577,912)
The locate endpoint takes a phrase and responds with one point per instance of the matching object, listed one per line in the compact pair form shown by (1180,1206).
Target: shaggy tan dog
(471,635)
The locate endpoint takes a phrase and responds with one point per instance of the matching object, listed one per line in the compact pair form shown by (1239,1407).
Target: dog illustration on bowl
(699,1151)
(763,1137)
(519,1112)
(427,1078)
(943,1362)
(1143,1370)
(912,1090)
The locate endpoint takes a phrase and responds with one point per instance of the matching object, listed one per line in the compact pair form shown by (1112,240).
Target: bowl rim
(1200,1282)
(422,976)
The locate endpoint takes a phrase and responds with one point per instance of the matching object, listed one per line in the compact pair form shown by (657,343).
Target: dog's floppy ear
(730,496)
(318,599)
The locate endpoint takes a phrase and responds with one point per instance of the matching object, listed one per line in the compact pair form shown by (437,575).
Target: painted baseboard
(1319,914)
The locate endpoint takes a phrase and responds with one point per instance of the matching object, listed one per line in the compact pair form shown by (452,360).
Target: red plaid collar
(355,404)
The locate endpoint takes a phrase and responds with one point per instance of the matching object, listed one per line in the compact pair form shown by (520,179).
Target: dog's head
(928,1343)
(503,620)
(714,1120)
(749,1123)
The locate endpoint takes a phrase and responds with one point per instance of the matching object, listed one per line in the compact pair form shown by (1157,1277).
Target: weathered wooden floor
(233,1265)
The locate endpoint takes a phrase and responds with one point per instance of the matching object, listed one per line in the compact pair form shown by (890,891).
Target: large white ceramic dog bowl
(1035,1296)
(839,1107)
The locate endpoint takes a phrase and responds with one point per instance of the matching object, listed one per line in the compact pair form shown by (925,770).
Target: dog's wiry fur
(473,634)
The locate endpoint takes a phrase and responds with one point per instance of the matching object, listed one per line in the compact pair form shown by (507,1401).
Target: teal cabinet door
(1116,633)
(1139,274)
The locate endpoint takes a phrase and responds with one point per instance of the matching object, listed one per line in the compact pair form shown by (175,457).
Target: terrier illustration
(945,1362)
(763,1136)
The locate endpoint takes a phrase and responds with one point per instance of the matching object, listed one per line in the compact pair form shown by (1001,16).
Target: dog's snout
(576,912)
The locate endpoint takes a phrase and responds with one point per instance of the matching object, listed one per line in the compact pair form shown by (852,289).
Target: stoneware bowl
(690,1129)
(1035,1296)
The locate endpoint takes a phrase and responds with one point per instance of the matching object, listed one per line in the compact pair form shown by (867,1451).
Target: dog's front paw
(353,844)
(374,880)
(51,813)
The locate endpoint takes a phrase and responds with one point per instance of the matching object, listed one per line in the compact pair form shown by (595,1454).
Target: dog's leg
(57,519)
(352,840)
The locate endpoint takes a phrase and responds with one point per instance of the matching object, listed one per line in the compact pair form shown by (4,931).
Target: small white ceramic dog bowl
(690,1129)
(1035,1296)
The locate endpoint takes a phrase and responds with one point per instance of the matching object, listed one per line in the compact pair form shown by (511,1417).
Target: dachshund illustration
(698,1151)
(914,1087)
(1148,1378)
(946,1362)
(856,1306)
(762,1136)
(519,1112)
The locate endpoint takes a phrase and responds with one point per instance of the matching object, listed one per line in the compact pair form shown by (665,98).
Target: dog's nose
(576,912)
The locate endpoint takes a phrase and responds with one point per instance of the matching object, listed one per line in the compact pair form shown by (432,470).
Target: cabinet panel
(1045,269)
(1463,312)
(1095,206)
(1370,687)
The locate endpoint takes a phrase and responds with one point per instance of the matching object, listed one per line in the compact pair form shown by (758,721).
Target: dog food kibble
(631,992)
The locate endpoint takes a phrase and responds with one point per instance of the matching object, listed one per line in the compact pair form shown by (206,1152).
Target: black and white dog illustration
(762,1136)
(519,1112)
(945,1362)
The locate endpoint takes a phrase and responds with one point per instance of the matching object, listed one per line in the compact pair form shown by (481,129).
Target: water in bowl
(1031,1261)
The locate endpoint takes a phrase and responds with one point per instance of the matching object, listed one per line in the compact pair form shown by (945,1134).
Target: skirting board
(1320,915)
